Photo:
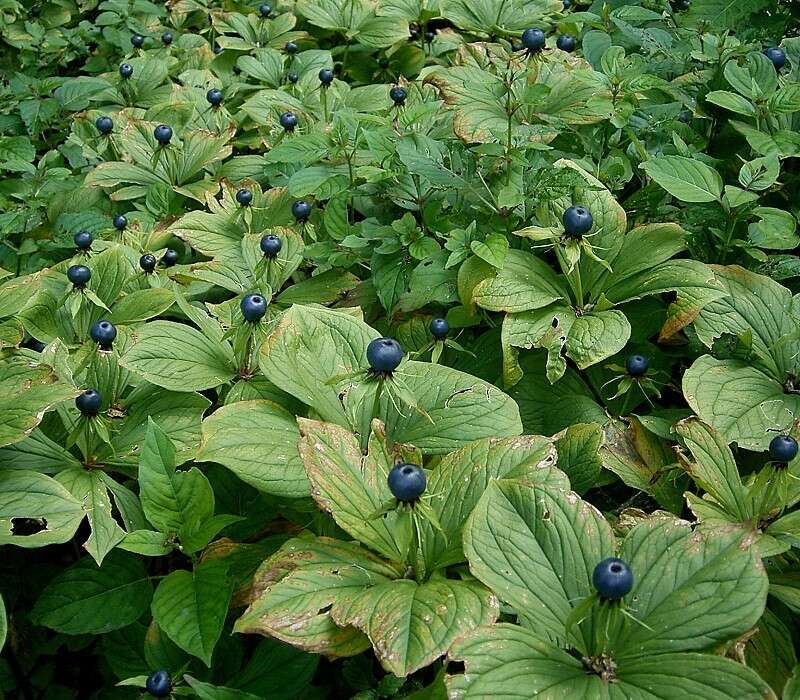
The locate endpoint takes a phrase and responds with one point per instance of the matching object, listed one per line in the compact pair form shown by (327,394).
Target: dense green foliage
(399,348)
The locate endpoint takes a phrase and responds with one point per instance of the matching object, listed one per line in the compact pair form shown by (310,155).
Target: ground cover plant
(416,349)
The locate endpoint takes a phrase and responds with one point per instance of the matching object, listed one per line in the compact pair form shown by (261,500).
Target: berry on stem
(170,257)
(776,55)
(103,333)
(291,48)
(566,42)
(292,77)
(244,197)
(612,578)
(265,9)
(148,263)
(288,121)
(430,35)
(636,365)
(126,70)
(104,124)
(783,448)
(577,221)
(407,482)
(137,40)
(79,275)
(166,38)
(83,240)
(533,39)
(88,403)
(384,355)
(301,210)
(159,684)
(325,76)
(682,5)
(271,245)
(439,328)
(163,134)
(398,95)
(120,222)
(253,307)
(214,97)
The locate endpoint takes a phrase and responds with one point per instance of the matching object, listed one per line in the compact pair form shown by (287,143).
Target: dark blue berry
(83,240)
(170,257)
(214,97)
(566,42)
(89,402)
(612,578)
(384,354)
(271,245)
(34,11)
(577,221)
(79,275)
(137,40)
(430,35)
(398,95)
(291,48)
(166,38)
(413,33)
(685,116)
(103,333)
(567,4)
(159,684)
(105,125)
(163,134)
(253,307)
(777,56)
(326,76)
(783,448)
(265,10)
(636,365)
(301,210)
(288,121)
(439,328)
(148,263)
(682,5)
(407,482)
(120,222)
(292,77)
(244,196)
(533,39)
(126,70)
(217,49)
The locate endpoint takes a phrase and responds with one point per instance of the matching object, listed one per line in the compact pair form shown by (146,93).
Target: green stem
(324,100)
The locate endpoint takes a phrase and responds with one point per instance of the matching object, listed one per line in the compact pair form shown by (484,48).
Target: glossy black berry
(89,402)
(533,39)
(684,116)
(612,578)
(79,275)
(288,121)
(166,38)
(291,48)
(413,33)
(244,196)
(34,11)
(636,365)
(398,95)
(253,307)
(214,97)
(682,5)
(439,328)
(104,124)
(566,42)
(148,263)
(326,76)
(567,4)
(407,482)
(271,245)
(163,134)
(783,448)
(384,354)
(577,221)
(83,240)
(301,210)
(217,49)
(126,70)
(265,10)
(170,257)
(120,222)
(103,333)
(292,77)
(137,40)
(430,35)
(777,56)
(159,684)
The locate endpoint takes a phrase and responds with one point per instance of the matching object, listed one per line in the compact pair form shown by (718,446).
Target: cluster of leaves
(211,212)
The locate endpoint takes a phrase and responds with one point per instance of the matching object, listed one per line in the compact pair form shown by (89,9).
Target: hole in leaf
(24,527)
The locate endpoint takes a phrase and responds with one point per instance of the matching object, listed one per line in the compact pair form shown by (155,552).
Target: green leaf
(178,357)
(87,599)
(206,691)
(28,495)
(190,607)
(142,305)
(410,625)
(257,441)
(687,179)
(732,101)
(535,546)
(296,588)
(578,455)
